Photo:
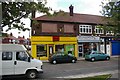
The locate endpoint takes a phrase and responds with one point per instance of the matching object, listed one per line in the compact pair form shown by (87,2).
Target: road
(75,70)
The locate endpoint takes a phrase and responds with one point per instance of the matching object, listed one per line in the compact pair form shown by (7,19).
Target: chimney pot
(71,10)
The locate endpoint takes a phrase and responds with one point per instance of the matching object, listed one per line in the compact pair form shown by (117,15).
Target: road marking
(90,75)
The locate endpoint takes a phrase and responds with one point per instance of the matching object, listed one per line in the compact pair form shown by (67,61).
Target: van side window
(6,55)
(22,56)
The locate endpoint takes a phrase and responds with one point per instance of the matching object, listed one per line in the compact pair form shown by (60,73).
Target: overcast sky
(80,6)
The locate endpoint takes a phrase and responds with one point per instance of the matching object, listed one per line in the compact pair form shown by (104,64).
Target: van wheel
(32,74)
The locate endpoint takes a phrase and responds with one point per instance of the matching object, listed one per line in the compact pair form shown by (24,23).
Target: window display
(41,50)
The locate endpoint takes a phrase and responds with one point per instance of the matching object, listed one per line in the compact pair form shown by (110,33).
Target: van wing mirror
(28,59)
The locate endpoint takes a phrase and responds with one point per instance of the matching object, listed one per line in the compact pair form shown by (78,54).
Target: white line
(90,75)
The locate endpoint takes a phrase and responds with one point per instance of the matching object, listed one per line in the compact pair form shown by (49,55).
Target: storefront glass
(66,48)
(85,47)
(41,50)
(69,49)
(59,48)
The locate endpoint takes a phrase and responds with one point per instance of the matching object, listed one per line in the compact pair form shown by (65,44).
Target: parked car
(61,57)
(94,55)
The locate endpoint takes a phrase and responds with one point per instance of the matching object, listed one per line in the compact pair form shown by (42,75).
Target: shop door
(108,49)
(51,51)
(80,50)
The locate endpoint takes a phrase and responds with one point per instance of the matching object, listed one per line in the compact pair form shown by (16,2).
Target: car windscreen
(88,53)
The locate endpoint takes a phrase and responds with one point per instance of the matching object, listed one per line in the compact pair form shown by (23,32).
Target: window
(109,33)
(41,50)
(85,29)
(99,30)
(7,56)
(61,29)
(59,48)
(69,28)
(22,56)
(49,27)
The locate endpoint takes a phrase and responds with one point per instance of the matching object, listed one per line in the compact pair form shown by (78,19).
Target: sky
(80,6)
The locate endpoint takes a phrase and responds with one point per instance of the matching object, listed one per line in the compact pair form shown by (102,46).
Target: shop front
(44,46)
(87,43)
(115,47)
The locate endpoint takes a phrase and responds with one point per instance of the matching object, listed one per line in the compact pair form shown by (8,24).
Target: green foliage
(4,35)
(13,12)
(111,11)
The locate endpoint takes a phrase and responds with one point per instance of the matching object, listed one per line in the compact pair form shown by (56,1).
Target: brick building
(71,32)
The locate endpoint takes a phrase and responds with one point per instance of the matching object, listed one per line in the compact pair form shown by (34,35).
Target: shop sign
(88,39)
(55,38)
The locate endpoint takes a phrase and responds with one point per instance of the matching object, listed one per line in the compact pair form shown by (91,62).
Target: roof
(21,38)
(12,47)
(78,18)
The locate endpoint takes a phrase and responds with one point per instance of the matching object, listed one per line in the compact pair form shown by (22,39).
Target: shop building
(69,32)
(52,34)
(44,46)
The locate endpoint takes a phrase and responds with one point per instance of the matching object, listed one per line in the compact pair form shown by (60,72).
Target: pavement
(115,72)
(115,76)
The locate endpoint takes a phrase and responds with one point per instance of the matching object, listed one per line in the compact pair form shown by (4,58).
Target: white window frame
(109,33)
(86,29)
(98,30)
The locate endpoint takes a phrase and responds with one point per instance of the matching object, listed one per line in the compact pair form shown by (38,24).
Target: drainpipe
(105,45)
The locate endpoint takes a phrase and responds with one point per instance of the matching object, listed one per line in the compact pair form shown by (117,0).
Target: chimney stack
(71,10)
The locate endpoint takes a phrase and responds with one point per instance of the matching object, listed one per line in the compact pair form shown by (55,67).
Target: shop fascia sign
(88,38)
(56,38)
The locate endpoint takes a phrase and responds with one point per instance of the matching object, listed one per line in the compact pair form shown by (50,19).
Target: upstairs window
(109,33)
(49,27)
(99,30)
(87,29)
(69,28)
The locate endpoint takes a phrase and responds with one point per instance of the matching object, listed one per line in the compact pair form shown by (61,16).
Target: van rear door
(7,63)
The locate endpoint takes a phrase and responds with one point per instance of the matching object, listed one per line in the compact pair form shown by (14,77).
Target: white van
(16,60)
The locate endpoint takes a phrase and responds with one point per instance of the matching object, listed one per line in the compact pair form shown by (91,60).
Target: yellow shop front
(43,47)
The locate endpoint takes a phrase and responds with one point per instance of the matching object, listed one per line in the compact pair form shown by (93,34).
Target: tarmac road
(76,70)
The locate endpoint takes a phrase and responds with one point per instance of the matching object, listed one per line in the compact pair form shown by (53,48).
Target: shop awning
(88,39)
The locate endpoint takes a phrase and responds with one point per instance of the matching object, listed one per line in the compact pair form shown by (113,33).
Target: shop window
(70,49)
(7,56)
(41,50)
(67,49)
(59,48)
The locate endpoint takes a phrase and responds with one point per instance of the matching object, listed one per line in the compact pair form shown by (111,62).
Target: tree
(111,11)
(13,12)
